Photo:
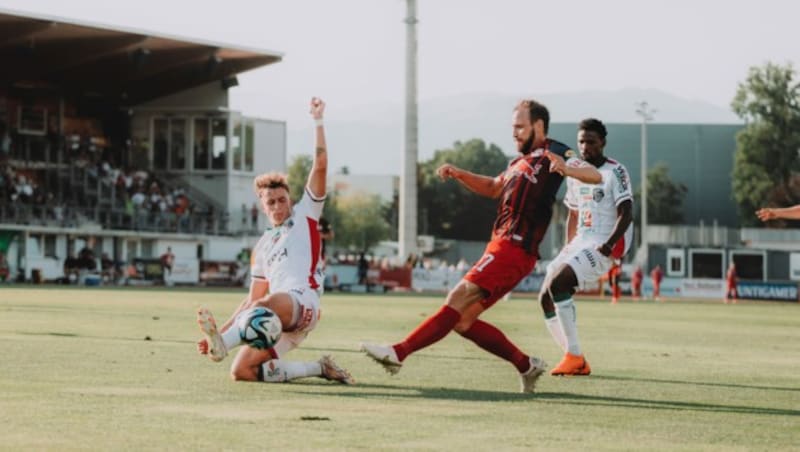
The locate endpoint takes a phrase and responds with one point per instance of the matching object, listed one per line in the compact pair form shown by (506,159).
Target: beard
(527,146)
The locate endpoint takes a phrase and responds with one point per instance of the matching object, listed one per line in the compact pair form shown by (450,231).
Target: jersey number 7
(485,260)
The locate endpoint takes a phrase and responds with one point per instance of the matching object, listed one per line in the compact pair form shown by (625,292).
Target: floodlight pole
(644,111)
(407,234)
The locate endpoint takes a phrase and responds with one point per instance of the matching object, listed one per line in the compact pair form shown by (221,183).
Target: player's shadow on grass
(368,390)
(105,338)
(583,400)
(695,383)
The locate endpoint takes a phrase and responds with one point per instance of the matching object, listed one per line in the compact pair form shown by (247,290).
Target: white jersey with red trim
(597,205)
(288,256)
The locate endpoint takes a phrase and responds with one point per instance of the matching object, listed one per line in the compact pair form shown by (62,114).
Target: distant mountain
(370,140)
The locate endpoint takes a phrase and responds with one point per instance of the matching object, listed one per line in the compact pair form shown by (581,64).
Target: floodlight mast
(407,234)
(644,111)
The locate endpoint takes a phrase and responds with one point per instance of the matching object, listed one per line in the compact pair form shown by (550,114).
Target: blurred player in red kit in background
(636,283)
(613,281)
(730,289)
(657,275)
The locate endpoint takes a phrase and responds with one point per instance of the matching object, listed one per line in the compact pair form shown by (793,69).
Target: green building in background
(700,156)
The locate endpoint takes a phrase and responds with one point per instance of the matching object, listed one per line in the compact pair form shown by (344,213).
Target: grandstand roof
(124,66)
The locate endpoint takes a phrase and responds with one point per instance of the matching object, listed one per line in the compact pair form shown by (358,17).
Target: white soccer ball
(259,327)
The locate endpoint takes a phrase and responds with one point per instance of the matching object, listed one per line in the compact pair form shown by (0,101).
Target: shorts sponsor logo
(306,317)
(590,257)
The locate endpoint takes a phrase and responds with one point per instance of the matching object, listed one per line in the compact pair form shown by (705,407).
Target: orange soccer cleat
(572,365)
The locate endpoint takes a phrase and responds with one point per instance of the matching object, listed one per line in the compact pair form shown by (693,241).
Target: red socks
(484,334)
(430,331)
(491,339)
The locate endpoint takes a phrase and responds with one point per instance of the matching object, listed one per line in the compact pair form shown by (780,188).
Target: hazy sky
(351,52)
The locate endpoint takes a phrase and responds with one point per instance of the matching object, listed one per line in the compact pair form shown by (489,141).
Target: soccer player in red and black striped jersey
(526,191)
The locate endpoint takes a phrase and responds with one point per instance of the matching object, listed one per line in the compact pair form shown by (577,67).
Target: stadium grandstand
(122,141)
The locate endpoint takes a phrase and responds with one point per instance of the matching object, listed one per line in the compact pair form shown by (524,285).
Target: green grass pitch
(117,370)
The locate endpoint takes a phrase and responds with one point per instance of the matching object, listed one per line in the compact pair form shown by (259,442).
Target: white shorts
(586,261)
(307,303)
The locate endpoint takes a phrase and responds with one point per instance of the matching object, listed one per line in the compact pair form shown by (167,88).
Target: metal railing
(97,217)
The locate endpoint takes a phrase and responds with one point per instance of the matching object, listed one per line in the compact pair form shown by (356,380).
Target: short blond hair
(270,180)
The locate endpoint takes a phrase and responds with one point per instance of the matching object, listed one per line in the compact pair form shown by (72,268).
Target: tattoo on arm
(320,150)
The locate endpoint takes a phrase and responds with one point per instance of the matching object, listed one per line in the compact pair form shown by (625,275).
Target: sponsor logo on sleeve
(622,178)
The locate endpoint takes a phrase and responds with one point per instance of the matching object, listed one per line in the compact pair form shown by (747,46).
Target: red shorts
(500,269)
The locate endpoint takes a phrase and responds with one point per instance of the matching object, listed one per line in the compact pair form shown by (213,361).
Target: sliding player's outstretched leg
(208,326)
(331,371)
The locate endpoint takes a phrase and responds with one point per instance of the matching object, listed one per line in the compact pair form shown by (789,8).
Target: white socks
(566,317)
(554,327)
(231,338)
(279,371)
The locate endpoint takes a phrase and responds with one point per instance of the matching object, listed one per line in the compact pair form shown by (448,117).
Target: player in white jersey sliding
(286,278)
(599,230)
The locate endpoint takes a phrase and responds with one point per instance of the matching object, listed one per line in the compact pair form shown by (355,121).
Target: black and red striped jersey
(529,191)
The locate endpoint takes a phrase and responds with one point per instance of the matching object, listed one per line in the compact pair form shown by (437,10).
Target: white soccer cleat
(527,380)
(216,348)
(383,355)
(332,371)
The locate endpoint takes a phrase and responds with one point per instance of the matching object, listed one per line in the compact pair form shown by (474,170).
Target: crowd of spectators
(70,179)
(23,198)
(137,199)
